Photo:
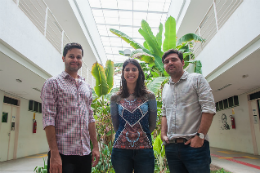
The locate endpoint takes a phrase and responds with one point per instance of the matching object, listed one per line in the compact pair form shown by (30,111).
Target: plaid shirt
(66,105)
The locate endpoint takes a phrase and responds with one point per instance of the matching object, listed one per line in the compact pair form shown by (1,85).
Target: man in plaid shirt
(68,119)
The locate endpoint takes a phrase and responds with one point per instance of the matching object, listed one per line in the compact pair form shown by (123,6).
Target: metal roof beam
(143,11)
(123,25)
(119,37)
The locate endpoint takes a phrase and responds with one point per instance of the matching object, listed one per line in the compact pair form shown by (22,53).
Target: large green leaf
(195,66)
(183,48)
(129,40)
(189,37)
(159,35)
(147,46)
(170,34)
(198,67)
(146,28)
(155,84)
(151,42)
(140,54)
(185,56)
(157,145)
(98,72)
(158,63)
(109,70)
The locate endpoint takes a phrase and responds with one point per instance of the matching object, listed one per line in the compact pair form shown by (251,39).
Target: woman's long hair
(140,89)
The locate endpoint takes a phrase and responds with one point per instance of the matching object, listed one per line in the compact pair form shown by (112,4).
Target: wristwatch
(201,135)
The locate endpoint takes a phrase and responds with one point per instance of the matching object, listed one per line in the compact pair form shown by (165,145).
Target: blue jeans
(183,158)
(126,160)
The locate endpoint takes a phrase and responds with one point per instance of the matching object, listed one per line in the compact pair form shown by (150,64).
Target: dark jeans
(125,161)
(183,158)
(74,163)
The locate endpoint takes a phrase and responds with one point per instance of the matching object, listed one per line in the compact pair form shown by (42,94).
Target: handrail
(41,16)
(216,16)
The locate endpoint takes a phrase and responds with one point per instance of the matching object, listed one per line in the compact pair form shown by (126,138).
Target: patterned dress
(133,119)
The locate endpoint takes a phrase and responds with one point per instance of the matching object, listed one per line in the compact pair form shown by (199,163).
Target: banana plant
(152,49)
(104,77)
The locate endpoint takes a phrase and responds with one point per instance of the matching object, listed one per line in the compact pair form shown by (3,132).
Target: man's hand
(165,139)
(195,142)
(95,156)
(55,162)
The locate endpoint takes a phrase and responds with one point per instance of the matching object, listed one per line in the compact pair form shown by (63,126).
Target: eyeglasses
(133,69)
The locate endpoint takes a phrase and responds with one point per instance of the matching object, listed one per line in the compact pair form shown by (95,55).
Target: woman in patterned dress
(134,113)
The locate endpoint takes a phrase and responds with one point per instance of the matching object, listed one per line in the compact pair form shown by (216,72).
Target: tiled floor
(23,165)
(235,162)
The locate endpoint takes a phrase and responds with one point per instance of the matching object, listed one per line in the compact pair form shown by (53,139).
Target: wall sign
(4,117)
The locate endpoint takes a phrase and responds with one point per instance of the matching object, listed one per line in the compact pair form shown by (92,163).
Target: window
(236,102)
(11,101)
(230,102)
(220,105)
(217,108)
(225,103)
(35,106)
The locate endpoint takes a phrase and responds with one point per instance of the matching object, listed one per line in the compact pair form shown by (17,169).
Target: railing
(218,13)
(41,16)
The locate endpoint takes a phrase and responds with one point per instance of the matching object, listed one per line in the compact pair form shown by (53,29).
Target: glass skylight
(126,16)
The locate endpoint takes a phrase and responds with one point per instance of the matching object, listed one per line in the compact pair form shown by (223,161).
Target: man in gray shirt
(188,109)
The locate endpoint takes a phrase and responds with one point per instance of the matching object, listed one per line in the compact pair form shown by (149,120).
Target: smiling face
(131,73)
(73,60)
(173,65)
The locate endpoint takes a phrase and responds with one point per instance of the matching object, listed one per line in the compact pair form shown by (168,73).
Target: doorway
(8,131)
(255,107)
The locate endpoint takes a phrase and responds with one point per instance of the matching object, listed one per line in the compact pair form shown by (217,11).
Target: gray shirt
(183,105)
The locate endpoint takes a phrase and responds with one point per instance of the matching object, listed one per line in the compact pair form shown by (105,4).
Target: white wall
(239,139)
(30,143)
(21,34)
(1,106)
(89,28)
(236,34)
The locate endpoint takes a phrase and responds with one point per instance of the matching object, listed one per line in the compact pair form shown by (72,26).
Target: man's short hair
(69,46)
(172,51)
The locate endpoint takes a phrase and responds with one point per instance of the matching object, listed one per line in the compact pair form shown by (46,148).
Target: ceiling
(11,70)
(243,78)
(126,16)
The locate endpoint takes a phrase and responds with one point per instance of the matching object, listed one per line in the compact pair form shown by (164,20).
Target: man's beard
(73,69)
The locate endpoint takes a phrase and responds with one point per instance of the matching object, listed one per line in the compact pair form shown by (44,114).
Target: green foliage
(129,40)
(159,36)
(156,84)
(109,70)
(152,50)
(189,37)
(39,169)
(98,72)
(141,55)
(170,34)
(104,77)
(104,165)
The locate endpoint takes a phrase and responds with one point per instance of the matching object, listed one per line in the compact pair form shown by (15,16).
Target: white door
(7,132)
(256,123)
